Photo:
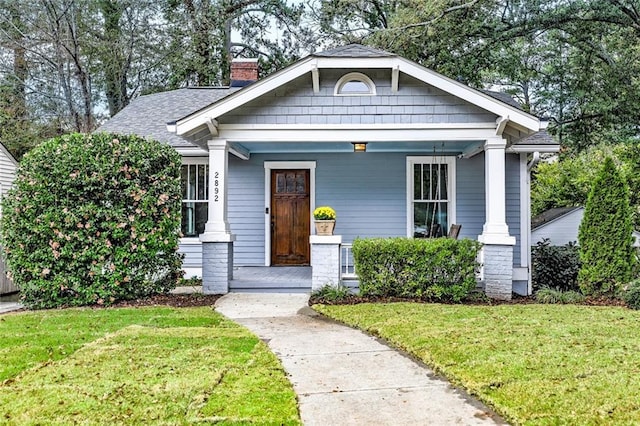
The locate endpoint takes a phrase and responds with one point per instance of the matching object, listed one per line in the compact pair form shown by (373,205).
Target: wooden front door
(290,217)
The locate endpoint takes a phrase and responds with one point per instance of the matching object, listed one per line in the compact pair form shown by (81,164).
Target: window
(430,195)
(355,84)
(194,180)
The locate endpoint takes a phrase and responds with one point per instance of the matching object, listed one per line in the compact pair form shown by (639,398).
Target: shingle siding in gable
(415,102)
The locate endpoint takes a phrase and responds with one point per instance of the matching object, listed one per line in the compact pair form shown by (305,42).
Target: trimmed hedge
(93,219)
(440,269)
(555,267)
(606,245)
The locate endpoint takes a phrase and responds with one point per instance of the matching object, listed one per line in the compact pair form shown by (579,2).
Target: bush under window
(439,269)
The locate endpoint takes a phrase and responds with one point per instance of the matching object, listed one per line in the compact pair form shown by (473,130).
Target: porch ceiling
(427,147)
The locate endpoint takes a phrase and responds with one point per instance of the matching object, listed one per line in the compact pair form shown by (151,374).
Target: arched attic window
(355,84)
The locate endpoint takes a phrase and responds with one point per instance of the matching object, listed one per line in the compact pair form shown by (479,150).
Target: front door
(290,217)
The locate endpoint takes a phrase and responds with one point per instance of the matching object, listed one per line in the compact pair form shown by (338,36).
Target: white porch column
(495,229)
(217,226)
(497,251)
(217,240)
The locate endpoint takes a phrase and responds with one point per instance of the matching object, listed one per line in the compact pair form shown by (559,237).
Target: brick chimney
(243,72)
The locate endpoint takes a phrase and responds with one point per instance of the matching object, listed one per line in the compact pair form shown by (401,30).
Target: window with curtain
(431,196)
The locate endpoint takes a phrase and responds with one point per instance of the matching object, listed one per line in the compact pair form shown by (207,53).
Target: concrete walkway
(9,307)
(344,377)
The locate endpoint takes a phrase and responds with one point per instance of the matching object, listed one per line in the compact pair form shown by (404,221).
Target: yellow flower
(324,213)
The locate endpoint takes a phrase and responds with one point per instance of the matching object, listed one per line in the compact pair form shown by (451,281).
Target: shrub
(331,293)
(632,294)
(555,266)
(554,295)
(433,269)
(606,250)
(93,219)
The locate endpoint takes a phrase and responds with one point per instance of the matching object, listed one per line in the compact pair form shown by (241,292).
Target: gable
(415,102)
(314,68)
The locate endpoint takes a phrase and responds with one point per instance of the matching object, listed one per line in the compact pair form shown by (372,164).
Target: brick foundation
(325,261)
(217,267)
(497,271)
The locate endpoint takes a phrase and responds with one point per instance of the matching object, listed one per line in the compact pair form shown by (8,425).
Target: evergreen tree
(606,250)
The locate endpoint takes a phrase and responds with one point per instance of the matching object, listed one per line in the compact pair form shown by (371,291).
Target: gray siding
(470,205)
(560,231)
(7,171)
(415,102)
(512,183)
(246,209)
(470,198)
(368,192)
(192,255)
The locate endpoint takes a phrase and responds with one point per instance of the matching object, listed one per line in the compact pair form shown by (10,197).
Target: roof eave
(517,149)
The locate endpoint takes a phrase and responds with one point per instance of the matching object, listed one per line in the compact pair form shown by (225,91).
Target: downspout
(530,165)
(534,162)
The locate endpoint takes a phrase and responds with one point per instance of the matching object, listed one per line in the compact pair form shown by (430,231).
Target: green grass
(534,364)
(138,365)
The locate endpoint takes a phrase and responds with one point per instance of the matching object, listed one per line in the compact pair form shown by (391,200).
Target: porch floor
(274,279)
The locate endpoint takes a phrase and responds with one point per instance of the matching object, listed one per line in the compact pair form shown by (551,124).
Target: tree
(207,34)
(573,63)
(606,251)
(567,182)
(99,224)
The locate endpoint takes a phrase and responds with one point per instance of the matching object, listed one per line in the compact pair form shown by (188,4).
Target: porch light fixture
(359,146)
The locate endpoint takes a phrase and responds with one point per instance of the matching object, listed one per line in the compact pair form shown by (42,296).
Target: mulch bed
(516,300)
(174,300)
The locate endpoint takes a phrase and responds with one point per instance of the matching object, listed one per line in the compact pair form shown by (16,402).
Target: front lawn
(534,364)
(138,366)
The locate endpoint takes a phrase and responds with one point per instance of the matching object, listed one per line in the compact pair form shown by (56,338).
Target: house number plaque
(216,187)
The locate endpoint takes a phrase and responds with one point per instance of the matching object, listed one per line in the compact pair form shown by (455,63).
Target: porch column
(497,250)
(217,240)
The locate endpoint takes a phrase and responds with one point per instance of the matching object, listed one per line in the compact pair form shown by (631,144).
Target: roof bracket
(501,123)
(315,78)
(212,124)
(395,76)
(239,151)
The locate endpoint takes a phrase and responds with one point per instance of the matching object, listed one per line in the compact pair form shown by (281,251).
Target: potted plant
(325,219)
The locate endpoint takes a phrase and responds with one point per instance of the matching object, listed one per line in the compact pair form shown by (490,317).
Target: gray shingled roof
(354,51)
(550,215)
(503,97)
(148,115)
(539,138)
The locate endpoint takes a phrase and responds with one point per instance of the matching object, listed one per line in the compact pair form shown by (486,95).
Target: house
(395,148)
(560,226)
(8,167)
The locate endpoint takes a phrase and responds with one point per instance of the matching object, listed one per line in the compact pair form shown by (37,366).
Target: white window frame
(190,161)
(358,76)
(450,161)
(285,165)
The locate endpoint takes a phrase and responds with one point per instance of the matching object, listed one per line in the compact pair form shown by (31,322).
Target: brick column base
(217,267)
(325,261)
(497,270)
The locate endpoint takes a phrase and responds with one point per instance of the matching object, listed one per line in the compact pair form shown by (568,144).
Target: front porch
(271,279)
